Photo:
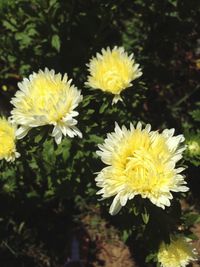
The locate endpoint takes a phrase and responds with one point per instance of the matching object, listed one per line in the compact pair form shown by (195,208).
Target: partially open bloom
(7,141)
(46,98)
(178,253)
(112,71)
(193,147)
(192,152)
(140,162)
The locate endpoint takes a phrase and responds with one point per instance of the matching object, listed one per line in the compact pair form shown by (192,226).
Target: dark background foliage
(43,195)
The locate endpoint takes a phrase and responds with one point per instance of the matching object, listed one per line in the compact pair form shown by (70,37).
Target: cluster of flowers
(139,161)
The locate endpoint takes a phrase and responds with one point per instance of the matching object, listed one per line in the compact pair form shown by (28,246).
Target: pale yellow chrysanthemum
(140,162)
(46,98)
(178,253)
(112,71)
(7,141)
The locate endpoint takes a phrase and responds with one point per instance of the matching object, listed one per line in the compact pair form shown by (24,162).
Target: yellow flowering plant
(140,162)
(178,253)
(120,77)
(112,71)
(141,168)
(46,98)
(7,140)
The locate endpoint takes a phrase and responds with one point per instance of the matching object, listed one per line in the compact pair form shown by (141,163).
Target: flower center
(112,80)
(49,98)
(144,172)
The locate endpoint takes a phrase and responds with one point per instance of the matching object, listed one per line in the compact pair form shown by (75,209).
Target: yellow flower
(140,162)
(46,98)
(176,254)
(112,71)
(7,141)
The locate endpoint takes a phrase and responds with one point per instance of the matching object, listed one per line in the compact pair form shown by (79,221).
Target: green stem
(185,97)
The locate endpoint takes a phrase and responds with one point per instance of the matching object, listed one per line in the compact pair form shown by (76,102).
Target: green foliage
(49,184)
(191,218)
(196,112)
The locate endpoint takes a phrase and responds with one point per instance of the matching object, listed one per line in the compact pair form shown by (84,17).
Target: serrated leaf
(191,218)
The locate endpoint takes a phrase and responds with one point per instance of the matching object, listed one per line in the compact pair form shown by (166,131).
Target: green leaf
(52,2)
(9,26)
(86,100)
(32,194)
(90,111)
(96,139)
(196,114)
(38,138)
(191,218)
(145,216)
(151,257)
(24,39)
(103,107)
(125,235)
(55,42)
(135,211)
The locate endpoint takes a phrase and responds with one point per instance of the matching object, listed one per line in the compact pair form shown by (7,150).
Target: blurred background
(49,213)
